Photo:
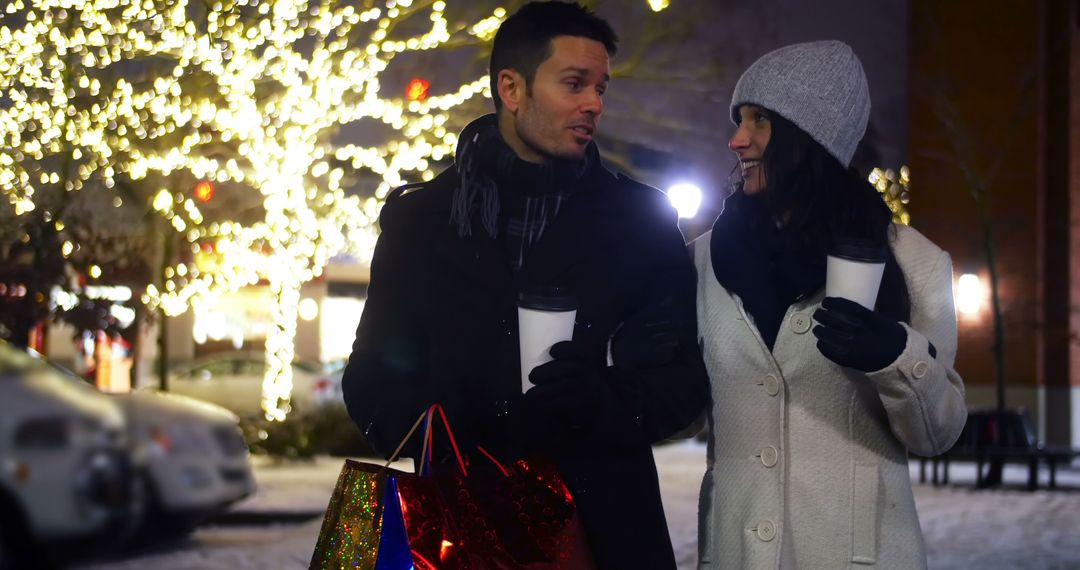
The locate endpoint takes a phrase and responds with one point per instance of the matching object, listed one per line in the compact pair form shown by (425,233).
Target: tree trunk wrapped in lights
(280,348)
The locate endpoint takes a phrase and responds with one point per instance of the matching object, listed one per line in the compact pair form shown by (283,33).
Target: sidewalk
(289,489)
(964,528)
(1001,528)
(1005,528)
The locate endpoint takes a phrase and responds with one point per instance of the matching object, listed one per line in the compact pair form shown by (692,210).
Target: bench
(990,437)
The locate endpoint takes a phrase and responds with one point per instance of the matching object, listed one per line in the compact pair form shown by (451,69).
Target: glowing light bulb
(686,198)
(969,294)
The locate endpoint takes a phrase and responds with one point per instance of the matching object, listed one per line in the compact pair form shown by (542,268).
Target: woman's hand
(852,335)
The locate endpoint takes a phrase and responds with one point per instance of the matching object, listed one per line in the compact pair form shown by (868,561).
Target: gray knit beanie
(819,86)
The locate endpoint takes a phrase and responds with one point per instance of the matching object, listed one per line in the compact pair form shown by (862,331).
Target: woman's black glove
(569,391)
(852,335)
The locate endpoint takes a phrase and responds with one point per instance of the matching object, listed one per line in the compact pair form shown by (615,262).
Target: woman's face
(749,142)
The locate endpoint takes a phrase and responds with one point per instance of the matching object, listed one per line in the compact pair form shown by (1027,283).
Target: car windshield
(14,361)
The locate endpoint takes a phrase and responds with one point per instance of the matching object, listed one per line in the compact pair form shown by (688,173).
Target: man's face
(556,116)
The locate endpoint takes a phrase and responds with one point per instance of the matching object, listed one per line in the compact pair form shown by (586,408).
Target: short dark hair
(523,41)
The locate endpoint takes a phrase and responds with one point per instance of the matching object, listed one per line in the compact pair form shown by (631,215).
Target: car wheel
(18,548)
(130,529)
(158,523)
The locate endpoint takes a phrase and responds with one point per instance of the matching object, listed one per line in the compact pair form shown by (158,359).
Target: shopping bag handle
(397,452)
(493,460)
(425,453)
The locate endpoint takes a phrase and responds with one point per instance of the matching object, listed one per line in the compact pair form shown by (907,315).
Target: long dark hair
(811,192)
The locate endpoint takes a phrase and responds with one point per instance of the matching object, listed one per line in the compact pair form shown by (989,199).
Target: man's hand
(647,338)
(569,390)
(852,335)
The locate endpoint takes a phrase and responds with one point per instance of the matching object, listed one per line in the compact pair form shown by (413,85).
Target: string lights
(245,98)
(198,111)
(896,191)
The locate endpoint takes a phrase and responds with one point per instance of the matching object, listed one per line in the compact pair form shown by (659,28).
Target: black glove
(569,391)
(852,335)
(647,338)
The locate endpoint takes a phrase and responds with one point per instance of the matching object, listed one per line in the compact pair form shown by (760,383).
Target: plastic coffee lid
(862,250)
(547,299)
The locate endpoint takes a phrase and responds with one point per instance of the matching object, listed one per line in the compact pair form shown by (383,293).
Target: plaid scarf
(488,167)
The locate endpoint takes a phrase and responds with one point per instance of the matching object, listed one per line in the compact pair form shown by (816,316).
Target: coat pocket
(864,514)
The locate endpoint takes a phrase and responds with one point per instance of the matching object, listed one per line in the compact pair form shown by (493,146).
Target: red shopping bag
(490,515)
(468,517)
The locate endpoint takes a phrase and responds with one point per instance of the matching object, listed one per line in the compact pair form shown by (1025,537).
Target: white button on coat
(766,530)
(771,384)
(769,456)
(800,323)
(920,369)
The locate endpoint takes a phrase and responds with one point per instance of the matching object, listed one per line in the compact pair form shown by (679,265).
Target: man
(528,204)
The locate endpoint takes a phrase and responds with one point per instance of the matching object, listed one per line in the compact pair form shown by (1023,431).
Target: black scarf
(769,268)
(494,178)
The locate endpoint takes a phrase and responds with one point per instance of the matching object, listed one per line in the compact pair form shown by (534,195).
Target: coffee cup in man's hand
(546,316)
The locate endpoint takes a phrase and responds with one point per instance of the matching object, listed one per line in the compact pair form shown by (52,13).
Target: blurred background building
(994,105)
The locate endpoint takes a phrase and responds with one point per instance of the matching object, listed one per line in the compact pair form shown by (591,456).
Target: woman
(816,400)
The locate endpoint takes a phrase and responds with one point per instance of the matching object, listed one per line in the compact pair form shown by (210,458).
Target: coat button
(772,385)
(920,369)
(800,323)
(769,456)
(766,530)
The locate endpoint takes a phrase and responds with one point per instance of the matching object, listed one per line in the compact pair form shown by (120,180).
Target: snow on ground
(1001,529)
(296,486)
(964,528)
(681,466)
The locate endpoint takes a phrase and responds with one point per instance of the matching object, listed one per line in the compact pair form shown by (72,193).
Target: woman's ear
(512,89)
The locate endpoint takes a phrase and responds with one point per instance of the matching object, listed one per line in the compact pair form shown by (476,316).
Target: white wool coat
(807,460)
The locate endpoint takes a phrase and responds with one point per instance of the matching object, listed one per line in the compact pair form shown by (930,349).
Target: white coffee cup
(853,271)
(546,316)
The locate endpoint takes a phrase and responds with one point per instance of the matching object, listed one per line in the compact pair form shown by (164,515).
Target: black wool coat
(440,325)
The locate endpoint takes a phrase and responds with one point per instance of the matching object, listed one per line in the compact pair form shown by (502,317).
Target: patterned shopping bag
(352,528)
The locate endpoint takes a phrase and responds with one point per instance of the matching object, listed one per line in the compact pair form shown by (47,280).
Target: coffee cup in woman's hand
(853,271)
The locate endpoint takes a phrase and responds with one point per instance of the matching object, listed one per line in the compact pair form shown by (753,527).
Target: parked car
(65,461)
(234,380)
(193,460)
(178,460)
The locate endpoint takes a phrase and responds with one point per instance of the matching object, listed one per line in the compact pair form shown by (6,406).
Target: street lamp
(686,198)
(969,294)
